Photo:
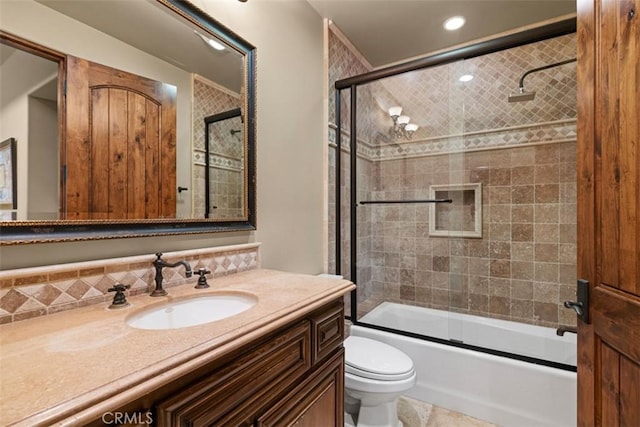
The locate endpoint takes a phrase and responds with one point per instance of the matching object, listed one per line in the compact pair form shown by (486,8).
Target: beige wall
(21,75)
(289,38)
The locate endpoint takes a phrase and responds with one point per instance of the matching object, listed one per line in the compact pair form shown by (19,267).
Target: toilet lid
(376,360)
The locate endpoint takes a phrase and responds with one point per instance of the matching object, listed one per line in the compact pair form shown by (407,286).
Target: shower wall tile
(546,312)
(522,214)
(514,272)
(499,305)
(522,289)
(345,61)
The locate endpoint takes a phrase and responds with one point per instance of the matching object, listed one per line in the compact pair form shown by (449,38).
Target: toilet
(376,374)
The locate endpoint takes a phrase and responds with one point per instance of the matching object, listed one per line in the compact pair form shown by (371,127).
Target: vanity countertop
(71,367)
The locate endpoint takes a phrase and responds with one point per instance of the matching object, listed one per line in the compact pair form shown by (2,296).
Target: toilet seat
(375,360)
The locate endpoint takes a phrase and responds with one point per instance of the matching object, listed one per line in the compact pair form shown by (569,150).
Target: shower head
(522,96)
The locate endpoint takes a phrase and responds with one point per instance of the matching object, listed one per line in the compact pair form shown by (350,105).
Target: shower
(522,95)
(462,240)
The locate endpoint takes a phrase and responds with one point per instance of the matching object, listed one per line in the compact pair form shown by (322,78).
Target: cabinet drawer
(258,375)
(327,331)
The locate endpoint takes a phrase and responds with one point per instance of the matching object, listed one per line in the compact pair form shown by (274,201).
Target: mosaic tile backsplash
(38,291)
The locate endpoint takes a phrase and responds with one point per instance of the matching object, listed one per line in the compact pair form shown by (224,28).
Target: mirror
(168,42)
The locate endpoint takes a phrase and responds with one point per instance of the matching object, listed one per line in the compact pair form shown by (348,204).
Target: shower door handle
(581,307)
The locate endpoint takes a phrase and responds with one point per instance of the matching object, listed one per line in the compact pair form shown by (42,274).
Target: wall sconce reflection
(402,128)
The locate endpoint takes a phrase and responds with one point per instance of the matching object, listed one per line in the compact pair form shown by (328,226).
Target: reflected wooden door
(609,211)
(120,152)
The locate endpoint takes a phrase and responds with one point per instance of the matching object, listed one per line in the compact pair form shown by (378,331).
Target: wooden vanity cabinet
(294,376)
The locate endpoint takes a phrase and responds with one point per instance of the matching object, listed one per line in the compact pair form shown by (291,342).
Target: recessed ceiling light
(466,78)
(454,23)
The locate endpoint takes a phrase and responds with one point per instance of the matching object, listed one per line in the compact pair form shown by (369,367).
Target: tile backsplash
(38,291)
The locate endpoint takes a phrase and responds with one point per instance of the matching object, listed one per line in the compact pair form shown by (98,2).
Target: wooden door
(120,152)
(609,211)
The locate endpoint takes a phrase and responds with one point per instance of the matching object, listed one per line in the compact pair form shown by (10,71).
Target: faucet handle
(118,287)
(202,280)
(119,299)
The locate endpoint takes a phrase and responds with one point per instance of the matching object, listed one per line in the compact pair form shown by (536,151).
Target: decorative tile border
(217,161)
(559,131)
(38,291)
(511,137)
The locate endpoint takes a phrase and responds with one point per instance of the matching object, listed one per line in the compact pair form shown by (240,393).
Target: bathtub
(497,389)
(511,337)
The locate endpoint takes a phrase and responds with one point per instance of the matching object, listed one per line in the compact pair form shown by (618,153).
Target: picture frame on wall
(8,179)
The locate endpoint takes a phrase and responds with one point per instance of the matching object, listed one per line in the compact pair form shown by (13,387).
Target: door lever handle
(575,306)
(581,307)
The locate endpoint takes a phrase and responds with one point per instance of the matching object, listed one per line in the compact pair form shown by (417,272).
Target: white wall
(20,75)
(43,195)
(290,133)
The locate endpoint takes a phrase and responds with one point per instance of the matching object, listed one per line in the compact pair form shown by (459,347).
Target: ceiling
(384,31)
(151,28)
(389,31)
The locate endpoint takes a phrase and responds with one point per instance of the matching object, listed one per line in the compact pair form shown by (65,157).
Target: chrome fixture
(402,128)
(523,95)
(159,264)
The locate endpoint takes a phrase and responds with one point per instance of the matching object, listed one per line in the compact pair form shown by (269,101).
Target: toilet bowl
(376,374)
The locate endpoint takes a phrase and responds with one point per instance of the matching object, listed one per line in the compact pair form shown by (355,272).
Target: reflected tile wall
(208,99)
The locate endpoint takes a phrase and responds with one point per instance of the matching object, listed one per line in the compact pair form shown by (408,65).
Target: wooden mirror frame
(24,232)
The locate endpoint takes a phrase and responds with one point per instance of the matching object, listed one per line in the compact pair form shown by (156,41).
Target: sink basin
(193,311)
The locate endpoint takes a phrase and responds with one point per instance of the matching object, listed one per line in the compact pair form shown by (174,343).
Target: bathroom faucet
(562,329)
(159,264)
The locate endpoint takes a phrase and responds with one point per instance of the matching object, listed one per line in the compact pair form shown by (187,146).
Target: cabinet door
(317,402)
(327,331)
(233,395)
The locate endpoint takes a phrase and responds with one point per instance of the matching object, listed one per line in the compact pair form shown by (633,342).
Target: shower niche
(462,217)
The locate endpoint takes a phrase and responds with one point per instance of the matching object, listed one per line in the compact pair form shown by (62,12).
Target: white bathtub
(497,389)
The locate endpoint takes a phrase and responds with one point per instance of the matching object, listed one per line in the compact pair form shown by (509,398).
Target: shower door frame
(547,31)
